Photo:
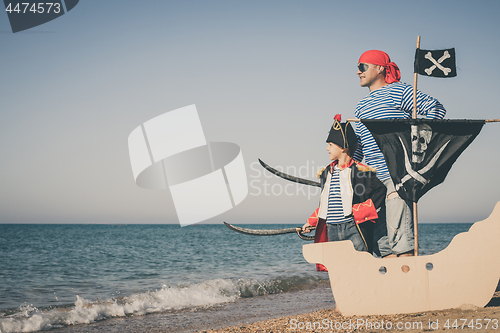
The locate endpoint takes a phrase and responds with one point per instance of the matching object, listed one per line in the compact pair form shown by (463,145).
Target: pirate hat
(342,134)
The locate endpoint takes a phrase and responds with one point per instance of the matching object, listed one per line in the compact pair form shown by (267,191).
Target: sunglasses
(363,67)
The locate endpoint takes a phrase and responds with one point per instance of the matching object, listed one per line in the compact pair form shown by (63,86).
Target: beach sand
(296,312)
(464,319)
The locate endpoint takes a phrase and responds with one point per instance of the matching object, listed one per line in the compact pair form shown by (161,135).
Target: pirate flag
(420,152)
(436,63)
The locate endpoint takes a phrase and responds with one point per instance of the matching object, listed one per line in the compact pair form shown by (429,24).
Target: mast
(415,215)
(415,76)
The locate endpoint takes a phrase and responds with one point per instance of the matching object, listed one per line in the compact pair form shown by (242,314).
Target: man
(389,98)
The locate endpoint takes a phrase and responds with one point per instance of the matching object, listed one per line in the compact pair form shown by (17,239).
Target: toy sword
(270,232)
(288,177)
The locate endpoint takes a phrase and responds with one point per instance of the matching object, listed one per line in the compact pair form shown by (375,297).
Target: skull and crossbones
(437,63)
(420,138)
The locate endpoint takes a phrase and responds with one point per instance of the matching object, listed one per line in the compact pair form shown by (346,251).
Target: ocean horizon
(58,275)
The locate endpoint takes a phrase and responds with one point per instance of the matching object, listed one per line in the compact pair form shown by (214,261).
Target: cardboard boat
(464,273)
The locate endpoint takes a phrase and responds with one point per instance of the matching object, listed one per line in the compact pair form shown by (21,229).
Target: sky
(266,75)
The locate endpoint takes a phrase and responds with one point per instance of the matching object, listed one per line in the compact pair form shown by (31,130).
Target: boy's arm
(379,191)
(367,210)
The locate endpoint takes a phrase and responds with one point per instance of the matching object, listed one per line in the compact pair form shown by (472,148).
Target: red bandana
(380,58)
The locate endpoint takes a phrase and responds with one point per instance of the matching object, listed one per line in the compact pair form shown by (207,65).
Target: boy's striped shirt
(335,213)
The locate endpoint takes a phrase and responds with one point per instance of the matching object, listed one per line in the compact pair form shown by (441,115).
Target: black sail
(420,152)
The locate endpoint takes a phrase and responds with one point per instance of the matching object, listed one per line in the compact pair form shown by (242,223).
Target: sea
(59,275)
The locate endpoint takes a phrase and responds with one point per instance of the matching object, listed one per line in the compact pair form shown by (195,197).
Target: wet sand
(465,319)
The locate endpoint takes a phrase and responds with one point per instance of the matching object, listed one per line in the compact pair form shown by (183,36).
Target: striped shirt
(335,212)
(394,100)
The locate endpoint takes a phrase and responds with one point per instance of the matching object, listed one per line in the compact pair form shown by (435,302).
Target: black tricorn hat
(342,134)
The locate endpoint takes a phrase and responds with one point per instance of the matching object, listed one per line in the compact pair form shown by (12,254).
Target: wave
(28,318)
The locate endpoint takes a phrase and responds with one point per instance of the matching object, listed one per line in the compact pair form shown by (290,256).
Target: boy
(351,193)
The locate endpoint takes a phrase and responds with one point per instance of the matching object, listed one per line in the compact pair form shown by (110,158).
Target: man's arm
(358,154)
(426,105)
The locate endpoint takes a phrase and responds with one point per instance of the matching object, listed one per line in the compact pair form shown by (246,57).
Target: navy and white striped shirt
(335,213)
(394,100)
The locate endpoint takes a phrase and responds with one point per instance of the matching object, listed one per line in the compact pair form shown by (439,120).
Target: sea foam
(30,319)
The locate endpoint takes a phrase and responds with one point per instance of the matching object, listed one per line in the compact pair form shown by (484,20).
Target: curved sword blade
(255,232)
(288,177)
